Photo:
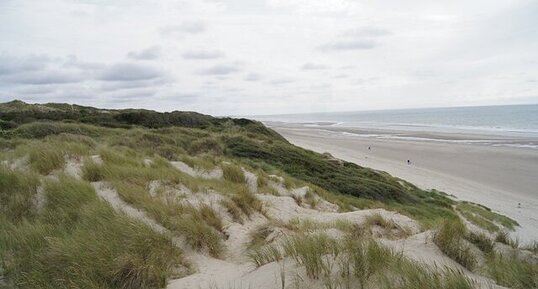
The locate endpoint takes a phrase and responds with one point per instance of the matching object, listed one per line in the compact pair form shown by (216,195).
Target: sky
(248,57)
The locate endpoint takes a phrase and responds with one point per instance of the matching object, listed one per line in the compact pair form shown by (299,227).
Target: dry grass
(233,173)
(247,202)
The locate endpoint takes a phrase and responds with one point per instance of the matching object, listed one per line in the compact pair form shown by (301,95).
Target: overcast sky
(250,57)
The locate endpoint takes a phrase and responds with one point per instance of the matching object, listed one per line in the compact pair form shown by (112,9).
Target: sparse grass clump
(504,238)
(247,202)
(199,235)
(414,276)
(233,209)
(513,272)
(310,251)
(45,158)
(449,238)
(366,258)
(262,255)
(483,217)
(17,190)
(92,171)
(378,220)
(483,242)
(233,173)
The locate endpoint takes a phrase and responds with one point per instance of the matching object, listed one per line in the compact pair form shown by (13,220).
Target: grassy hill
(66,169)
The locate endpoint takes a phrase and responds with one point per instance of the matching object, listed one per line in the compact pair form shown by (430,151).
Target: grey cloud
(313,66)
(203,54)
(366,32)
(340,76)
(146,54)
(252,77)
(280,81)
(348,45)
(120,85)
(130,72)
(32,89)
(11,65)
(220,70)
(356,39)
(190,27)
(73,62)
(43,77)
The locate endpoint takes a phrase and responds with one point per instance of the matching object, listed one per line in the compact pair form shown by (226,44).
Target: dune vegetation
(95,198)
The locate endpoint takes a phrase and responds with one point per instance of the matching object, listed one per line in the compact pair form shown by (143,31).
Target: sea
(511,125)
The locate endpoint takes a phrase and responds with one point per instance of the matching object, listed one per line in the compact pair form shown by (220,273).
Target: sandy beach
(502,178)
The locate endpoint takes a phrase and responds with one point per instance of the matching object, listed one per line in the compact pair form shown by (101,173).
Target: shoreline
(499,177)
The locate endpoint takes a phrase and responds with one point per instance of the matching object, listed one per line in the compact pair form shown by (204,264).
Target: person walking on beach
(408,162)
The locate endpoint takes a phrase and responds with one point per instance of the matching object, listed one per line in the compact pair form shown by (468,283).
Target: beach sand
(504,179)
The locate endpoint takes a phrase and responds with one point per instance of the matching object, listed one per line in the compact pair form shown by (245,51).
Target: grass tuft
(233,173)
(247,202)
(483,242)
(513,272)
(17,190)
(449,238)
(262,255)
(44,159)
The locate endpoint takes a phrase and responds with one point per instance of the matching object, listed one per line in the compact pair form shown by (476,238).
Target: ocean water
(510,121)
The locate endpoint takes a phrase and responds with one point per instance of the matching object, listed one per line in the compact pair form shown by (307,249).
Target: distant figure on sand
(368,148)
(408,162)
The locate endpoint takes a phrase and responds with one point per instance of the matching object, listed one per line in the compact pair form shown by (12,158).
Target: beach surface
(469,167)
